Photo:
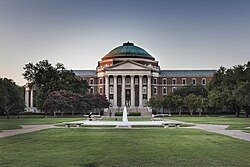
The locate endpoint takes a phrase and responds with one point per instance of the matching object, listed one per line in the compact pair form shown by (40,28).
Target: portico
(129,90)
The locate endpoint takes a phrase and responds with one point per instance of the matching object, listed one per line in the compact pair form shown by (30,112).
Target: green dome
(128,50)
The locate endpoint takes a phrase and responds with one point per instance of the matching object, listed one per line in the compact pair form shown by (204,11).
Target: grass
(81,147)
(15,123)
(235,123)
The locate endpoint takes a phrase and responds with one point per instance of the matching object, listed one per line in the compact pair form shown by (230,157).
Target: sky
(180,34)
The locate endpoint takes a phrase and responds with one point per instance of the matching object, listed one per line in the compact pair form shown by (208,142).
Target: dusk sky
(180,34)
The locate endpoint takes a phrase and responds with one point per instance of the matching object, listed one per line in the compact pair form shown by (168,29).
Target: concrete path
(221,129)
(25,129)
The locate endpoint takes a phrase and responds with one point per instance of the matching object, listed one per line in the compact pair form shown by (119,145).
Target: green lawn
(235,123)
(123,147)
(15,123)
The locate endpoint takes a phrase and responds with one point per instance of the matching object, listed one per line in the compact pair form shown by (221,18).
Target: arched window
(164,90)
(155,90)
(193,81)
(184,81)
(174,82)
(91,81)
(155,80)
(164,81)
(203,82)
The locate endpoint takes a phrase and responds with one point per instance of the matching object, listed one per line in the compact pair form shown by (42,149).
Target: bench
(157,119)
(167,124)
(68,124)
(95,119)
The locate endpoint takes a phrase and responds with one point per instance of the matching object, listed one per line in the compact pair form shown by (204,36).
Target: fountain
(121,124)
(124,123)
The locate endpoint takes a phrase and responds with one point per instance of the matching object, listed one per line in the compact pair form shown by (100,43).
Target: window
(100,90)
(174,89)
(164,81)
(100,81)
(203,81)
(183,81)
(127,81)
(111,81)
(174,81)
(155,90)
(111,90)
(119,81)
(193,81)
(144,81)
(144,90)
(155,80)
(91,90)
(164,90)
(91,81)
(136,81)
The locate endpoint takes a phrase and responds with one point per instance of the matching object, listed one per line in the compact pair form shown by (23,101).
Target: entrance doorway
(127,97)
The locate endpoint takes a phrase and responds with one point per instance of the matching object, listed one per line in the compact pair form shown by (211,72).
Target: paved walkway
(221,129)
(25,129)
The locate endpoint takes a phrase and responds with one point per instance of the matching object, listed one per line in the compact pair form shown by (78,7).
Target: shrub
(118,114)
(134,114)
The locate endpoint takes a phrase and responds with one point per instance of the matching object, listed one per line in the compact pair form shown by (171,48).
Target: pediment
(128,65)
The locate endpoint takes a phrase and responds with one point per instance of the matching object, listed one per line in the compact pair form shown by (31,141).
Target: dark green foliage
(134,114)
(118,113)
(69,102)
(229,89)
(197,90)
(47,78)
(11,97)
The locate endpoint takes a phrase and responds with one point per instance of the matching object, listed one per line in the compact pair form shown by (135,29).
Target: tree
(11,99)
(242,95)
(47,78)
(198,90)
(224,87)
(194,103)
(155,104)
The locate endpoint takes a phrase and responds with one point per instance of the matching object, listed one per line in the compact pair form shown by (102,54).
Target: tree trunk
(8,115)
(18,114)
(73,113)
(54,113)
(247,111)
(179,111)
(191,112)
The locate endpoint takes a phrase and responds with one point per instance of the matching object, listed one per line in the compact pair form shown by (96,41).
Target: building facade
(130,76)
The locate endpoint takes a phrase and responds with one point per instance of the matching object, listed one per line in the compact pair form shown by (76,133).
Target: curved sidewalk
(25,129)
(221,129)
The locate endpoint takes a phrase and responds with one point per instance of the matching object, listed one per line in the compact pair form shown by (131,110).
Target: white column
(123,90)
(115,91)
(149,87)
(31,98)
(107,87)
(140,91)
(27,97)
(132,91)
